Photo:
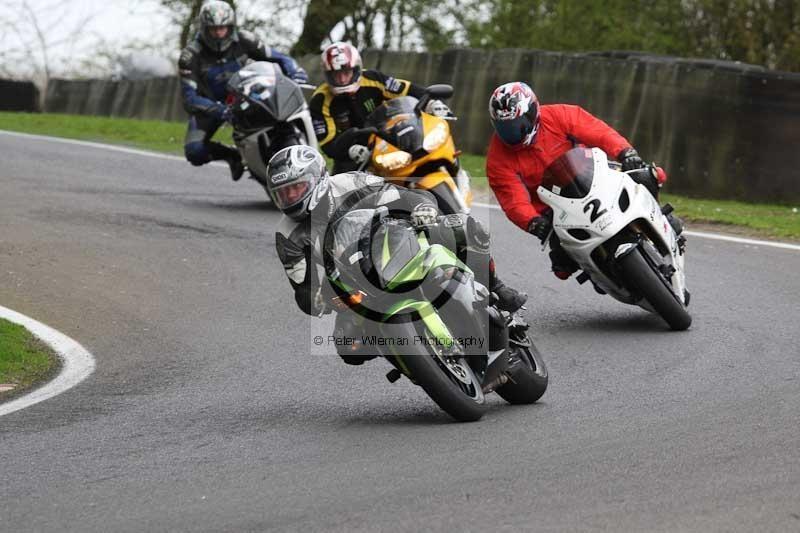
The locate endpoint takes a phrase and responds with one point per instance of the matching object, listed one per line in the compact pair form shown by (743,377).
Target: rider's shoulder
(249,40)
(190,51)
(375,78)
(374,75)
(291,229)
(558,110)
(323,89)
(350,181)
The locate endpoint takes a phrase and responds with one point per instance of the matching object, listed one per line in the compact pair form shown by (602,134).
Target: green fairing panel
(419,267)
(429,316)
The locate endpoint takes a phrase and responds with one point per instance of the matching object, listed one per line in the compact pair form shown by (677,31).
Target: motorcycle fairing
(600,215)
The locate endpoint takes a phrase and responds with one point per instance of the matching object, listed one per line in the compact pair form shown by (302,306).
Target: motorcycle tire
(428,372)
(445,199)
(528,377)
(654,288)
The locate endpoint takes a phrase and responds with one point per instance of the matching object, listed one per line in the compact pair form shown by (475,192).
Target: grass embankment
(761,219)
(24,360)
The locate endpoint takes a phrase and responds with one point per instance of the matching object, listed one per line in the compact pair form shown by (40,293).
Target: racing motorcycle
(615,230)
(269,113)
(414,149)
(420,307)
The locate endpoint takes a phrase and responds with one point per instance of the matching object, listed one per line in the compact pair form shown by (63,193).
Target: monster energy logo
(369,105)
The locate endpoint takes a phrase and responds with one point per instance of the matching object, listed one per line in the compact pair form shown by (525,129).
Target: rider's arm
(506,183)
(391,87)
(302,273)
(193,102)
(324,126)
(257,50)
(401,200)
(591,131)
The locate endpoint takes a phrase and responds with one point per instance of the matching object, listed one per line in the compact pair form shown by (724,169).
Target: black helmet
(214,14)
(296,180)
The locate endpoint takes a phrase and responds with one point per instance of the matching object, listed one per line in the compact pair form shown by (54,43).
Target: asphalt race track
(207,413)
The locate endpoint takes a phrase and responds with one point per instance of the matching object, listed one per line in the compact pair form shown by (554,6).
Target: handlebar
(348,136)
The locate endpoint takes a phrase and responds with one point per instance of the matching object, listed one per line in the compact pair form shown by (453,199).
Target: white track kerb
(77,363)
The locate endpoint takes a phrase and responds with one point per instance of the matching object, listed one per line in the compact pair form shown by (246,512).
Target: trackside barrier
(721,129)
(18,96)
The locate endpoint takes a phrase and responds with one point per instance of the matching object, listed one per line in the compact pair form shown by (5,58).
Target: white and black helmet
(215,13)
(297,179)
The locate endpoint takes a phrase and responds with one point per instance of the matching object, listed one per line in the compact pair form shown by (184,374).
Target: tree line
(761,32)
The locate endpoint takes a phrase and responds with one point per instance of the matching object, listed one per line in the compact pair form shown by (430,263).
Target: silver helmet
(215,14)
(297,179)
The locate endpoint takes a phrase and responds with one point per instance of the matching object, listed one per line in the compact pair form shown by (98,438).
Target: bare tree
(183,14)
(38,33)
(273,21)
(390,24)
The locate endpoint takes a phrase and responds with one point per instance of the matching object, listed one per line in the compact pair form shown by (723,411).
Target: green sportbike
(420,307)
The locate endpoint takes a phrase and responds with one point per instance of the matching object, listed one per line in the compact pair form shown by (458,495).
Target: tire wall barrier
(720,129)
(18,96)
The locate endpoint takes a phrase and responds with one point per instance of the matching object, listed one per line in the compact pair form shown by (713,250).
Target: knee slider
(196,153)
(478,237)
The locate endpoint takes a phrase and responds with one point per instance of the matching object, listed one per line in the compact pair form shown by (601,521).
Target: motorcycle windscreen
(264,96)
(571,175)
(254,87)
(288,99)
(394,245)
(346,245)
(398,123)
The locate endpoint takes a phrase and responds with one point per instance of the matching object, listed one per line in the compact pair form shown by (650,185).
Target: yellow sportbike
(415,149)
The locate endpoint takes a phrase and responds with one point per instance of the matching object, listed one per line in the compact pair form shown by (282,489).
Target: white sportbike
(615,230)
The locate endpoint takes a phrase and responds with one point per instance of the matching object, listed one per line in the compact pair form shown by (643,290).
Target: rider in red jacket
(528,137)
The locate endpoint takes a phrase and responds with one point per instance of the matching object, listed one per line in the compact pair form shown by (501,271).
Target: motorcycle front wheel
(652,286)
(448,380)
(528,376)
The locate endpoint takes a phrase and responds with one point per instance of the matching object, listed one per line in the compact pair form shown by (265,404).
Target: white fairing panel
(251,152)
(600,217)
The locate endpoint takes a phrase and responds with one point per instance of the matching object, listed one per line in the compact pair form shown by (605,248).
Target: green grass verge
(24,360)
(763,219)
(149,134)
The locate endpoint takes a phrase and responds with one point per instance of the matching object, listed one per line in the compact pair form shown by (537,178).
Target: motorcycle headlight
(435,138)
(393,160)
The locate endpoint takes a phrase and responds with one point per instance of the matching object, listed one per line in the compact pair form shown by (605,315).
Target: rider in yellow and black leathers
(347,98)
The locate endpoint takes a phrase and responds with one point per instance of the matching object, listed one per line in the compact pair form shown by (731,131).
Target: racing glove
(358,153)
(220,112)
(439,109)
(541,225)
(300,75)
(423,215)
(630,160)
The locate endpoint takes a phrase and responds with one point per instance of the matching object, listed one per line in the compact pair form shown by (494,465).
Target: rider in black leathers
(217,52)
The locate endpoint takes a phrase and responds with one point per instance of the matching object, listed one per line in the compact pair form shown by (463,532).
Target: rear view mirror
(440,91)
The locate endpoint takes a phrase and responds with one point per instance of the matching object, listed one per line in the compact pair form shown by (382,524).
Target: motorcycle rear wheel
(654,288)
(463,402)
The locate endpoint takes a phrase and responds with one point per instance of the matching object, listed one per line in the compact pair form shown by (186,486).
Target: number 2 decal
(596,211)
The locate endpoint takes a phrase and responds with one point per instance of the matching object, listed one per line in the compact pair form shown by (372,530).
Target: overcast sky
(109,25)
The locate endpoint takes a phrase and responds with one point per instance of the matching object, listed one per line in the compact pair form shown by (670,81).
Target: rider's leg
(648,179)
(199,149)
(563,265)
(471,242)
